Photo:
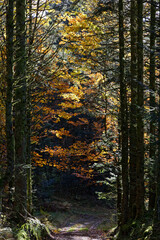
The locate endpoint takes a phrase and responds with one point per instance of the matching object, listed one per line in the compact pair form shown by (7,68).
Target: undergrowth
(136,230)
(32,229)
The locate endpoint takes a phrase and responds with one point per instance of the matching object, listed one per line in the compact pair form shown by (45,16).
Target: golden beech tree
(67,104)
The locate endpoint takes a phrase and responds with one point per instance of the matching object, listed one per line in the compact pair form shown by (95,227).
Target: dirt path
(80,222)
(75,227)
(84,227)
(76,235)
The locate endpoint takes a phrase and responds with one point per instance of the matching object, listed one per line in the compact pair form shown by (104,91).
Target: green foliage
(108,179)
(137,229)
(148,232)
(33,228)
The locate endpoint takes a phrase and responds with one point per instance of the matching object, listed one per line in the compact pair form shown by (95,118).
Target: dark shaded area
(50,183)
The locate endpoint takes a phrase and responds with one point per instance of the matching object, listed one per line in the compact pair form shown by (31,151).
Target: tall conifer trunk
(140,112)
(20,113)
(9,116)
(29,168)
(133,110)
(123,119)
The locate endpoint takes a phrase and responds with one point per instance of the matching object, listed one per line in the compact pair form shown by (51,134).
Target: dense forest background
(80,114)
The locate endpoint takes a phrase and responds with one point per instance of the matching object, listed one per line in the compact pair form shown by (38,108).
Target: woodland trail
(80,222)
(83,229)
(86,226)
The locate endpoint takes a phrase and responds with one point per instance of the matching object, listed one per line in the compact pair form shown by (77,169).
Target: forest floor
(73,220)
(81,221)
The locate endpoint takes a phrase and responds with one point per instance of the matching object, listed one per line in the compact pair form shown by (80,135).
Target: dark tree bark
(29,168)
(133,110)
(8,180)
(140,112)
(152,150)
(20,114)
(123,120)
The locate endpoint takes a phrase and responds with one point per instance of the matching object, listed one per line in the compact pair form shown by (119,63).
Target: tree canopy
(80,100)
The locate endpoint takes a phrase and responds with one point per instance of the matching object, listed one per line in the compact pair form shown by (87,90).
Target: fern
(32,228)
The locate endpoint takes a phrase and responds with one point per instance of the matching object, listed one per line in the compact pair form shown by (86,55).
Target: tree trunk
(140,112)
(29,168)
(118,180)
(133,110)
(123,119)
(8,179)
(20,114)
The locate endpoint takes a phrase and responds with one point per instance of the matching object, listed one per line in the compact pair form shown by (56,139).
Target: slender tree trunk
(9,118)
(133,110)
(152,151)
(119,173)
(123,119)
(140,112)
(29,169)
(20,114)
(119,194)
